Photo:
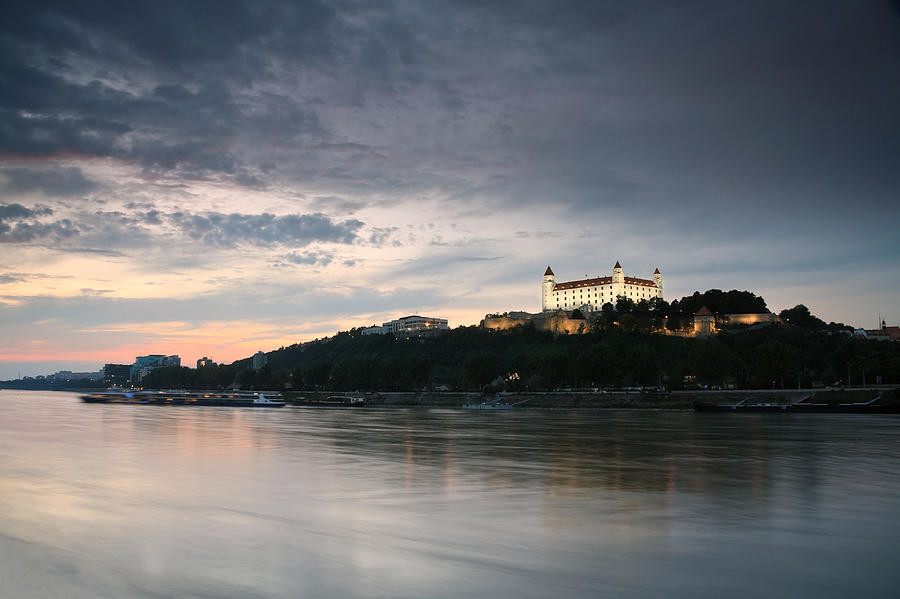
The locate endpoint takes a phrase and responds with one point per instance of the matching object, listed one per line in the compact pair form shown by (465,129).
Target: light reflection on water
(149,501)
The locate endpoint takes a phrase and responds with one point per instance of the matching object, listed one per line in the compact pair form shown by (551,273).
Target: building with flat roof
(259,360)
(116,375)
(144,364)
(408,325)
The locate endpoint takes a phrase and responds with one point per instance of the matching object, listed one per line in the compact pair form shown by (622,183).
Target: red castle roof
(704,311)
(602,281)
(584,283)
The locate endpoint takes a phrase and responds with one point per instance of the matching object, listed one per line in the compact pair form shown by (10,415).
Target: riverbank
(678,400)
(586,400)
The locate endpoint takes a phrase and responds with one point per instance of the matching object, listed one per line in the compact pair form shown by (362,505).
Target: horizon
(179,182)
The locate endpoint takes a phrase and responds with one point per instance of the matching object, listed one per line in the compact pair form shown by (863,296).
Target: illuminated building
(408,325)
(590,294)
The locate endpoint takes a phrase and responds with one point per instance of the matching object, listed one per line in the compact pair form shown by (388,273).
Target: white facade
(144,364)
(259,360)
(409,325)
(591,294)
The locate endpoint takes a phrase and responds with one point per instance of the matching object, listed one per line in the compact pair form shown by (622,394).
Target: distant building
(259,360)
(408,325)
(704,322)
(885,333)
(116,375)
(747,319)
(145,364)
(590,294)
(204,361)
(707,323)
(68,375)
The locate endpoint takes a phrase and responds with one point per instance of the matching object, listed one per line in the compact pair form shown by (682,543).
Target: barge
(241,399)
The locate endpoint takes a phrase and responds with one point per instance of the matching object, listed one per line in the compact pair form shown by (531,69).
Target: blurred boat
(242,399)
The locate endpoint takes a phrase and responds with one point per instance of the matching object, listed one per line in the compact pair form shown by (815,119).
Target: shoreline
(581,400)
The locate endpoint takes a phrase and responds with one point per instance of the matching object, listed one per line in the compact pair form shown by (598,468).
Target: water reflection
(146,501)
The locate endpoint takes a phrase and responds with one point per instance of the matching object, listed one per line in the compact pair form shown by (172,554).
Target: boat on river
(332,401)
(487,406)
(241,399)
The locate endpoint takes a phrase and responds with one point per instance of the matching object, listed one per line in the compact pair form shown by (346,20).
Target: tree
(711,361)
(774,360)
(641,365)
(596,364)
(628,322)
(624,305)
(417,366)
(673,323)
(480,369)
(554,367)
(720,302)
(245,378)
(606,319)
(799,316)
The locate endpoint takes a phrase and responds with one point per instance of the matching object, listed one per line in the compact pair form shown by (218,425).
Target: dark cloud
(179,88)
(97,251)
(380,235)
(315,258)
(18,211)
(707,97)
(19,224)
(152,217)
(25,232)
(110,232)
(52,182)
(296,230)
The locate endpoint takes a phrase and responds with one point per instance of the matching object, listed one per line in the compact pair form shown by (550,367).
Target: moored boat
(243,399)
(332,401)
(494,404)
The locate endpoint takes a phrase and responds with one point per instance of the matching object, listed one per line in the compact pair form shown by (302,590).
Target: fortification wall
(748,318)
(556,322)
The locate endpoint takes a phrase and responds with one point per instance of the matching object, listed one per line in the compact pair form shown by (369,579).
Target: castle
(591,294)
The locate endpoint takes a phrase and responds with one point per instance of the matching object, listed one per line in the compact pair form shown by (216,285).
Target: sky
(213,178)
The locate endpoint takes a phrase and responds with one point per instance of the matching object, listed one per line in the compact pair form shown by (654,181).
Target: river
(150,501)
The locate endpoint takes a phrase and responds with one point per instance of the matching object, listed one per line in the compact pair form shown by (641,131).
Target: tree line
(623,346)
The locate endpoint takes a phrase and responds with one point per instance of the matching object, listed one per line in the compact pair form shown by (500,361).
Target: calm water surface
(149,501)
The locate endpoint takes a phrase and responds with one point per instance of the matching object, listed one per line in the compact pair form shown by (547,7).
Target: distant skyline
(215,178)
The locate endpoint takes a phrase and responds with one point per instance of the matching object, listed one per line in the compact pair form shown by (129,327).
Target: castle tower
(657,280)
(547,289)
(618,276)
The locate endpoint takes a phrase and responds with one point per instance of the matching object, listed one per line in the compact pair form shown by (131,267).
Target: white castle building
(591,294)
